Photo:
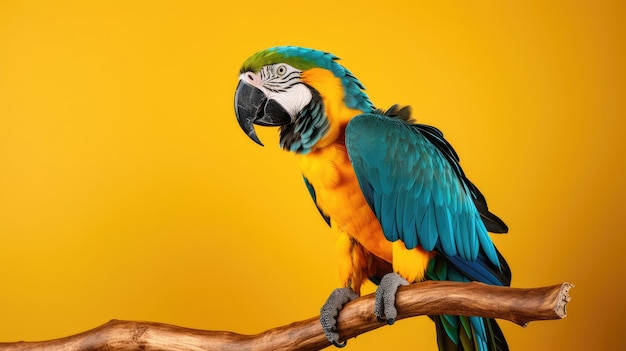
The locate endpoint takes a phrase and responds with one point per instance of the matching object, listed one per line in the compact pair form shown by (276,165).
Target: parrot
(391,189)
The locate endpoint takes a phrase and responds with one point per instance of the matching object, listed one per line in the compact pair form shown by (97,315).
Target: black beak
(252,107)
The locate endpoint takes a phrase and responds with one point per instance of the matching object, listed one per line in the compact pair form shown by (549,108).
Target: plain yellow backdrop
(127,190)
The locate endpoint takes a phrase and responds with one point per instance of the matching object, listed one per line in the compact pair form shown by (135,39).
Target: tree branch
(520,306)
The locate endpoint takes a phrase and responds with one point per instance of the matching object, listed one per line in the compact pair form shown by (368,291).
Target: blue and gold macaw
(391,188)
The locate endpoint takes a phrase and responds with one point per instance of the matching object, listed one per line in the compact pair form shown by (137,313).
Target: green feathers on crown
(304,59)
(297,57)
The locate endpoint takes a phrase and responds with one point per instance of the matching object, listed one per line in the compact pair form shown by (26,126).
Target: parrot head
(303,91)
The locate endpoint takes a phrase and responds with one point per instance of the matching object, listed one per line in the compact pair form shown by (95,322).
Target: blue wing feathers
(404,221)
(411,179)
(444,227)
(427,230)
(399,215)
(472,240)
(460,227)
(434,135)
(487,244)
(388,215)
(477,270)
(409,219)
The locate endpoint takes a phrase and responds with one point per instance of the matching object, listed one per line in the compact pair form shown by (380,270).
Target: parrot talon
(340,345)
(330,311)
(384,304)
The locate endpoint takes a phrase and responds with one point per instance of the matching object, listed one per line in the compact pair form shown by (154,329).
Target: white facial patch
(293,100)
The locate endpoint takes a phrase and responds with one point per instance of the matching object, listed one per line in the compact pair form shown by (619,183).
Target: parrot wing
(434,135)
(410,177)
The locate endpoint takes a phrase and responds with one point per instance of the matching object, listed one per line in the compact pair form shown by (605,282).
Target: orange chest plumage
(339,196)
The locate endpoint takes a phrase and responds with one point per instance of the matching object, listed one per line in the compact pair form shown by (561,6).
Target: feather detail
(444,228)
(395,161)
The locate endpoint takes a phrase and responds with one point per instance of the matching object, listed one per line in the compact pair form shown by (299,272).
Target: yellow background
(128,191)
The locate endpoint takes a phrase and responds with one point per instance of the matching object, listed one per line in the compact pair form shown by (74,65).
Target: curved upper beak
(248,102)
(253,107)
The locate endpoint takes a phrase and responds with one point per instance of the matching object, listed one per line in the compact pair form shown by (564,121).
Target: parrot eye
(281,70)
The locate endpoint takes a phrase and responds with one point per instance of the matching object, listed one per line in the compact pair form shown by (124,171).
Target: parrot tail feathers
(458,333)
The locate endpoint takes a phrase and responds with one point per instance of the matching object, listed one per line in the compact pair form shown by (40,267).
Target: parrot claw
(384,305)
(330,311)
(340,345)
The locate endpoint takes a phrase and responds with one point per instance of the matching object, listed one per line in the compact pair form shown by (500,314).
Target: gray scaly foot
(384,305)
(330,311)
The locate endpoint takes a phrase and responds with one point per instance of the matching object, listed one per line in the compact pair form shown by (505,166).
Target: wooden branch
(520,306)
